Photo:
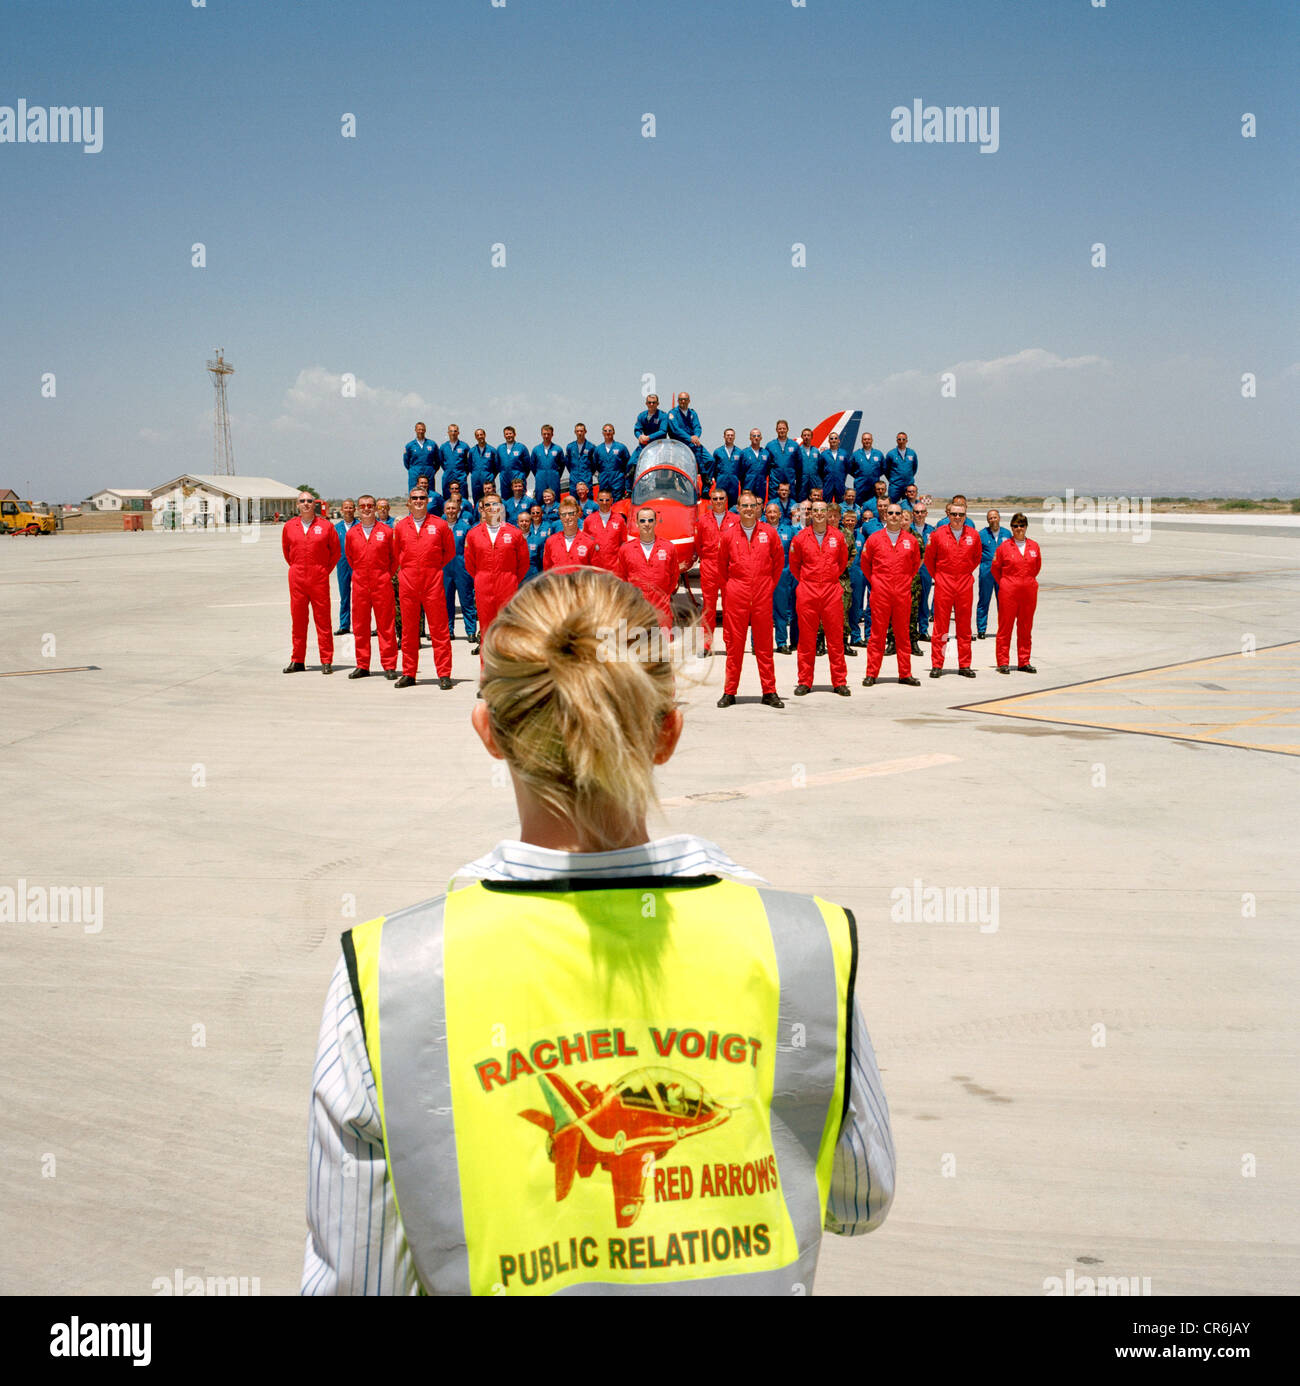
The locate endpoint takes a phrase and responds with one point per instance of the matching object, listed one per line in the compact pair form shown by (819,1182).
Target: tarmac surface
(1098,1077)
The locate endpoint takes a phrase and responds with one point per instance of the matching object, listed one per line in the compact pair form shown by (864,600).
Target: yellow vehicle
(24,517)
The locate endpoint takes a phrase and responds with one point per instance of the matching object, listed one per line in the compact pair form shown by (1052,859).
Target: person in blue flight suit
(783,613)
(785,502)
(900,468)
(517,501)
(684,425)
(865,466)
(551,510)
(468,510)
(421,458)
(908,500)
(516,461)
(810,465)
(580,458)
(612,463)
(854,538)
(990,537)
(650,426)
(538,521)
(536,541)
(787,461)
(727,463)
(875,505)
(582,494)
(343,570)
(849,504)
(456,582)
(755,465)
(484,464)
(548,462)
(924,582)
(834,469)
(870,524)
(455,461)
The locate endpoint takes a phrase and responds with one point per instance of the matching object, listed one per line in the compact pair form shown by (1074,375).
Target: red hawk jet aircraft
(645,1113)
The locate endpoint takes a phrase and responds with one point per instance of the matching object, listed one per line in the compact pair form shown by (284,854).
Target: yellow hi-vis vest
(610,1086)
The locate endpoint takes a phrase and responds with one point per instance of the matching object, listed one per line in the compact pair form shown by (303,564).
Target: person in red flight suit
(750,562)
(608,529)
(1016,566)
(818,557)
(571,547)
(891,558)
(953,558)
(311,549)
(650,564)
(424,545)
(496,558)
(708,537)
(373,560)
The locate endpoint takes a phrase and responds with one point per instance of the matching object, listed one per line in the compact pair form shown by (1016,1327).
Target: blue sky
(670,256)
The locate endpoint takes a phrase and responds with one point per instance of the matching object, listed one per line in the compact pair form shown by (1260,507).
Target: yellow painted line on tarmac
(27,673)
(761,788)
(1249,681)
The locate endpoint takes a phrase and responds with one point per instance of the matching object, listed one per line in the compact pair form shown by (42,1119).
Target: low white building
(200,501)
(121,498)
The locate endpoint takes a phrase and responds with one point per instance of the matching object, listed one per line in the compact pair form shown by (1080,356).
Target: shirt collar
(681,855)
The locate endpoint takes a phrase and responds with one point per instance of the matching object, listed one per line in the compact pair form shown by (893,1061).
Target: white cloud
(315,403)
(1030,361)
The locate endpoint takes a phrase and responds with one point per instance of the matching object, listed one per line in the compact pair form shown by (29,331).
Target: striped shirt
(355,1241)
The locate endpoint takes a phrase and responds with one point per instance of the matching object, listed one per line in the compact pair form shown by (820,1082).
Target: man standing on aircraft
(515,461)
(900,468)
(787,461)
(750,560)
(953,558)
(650,425)
(455,461)
(484,464)
(684,425)
(865,466)
(755,466)
(607,528)
(650,564)
(420,458)
(834,469)
(580,457)
(727,464)
(612,463)
(548,462)
(889,561)
(810,464)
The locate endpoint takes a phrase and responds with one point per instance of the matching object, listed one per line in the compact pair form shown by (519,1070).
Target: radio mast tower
(223,454)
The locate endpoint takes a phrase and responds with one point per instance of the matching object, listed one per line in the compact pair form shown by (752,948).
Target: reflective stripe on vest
(682,1044)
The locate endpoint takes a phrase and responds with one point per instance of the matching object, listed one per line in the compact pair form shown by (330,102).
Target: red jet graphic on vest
(643,1114)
